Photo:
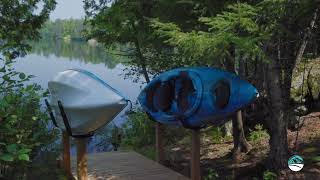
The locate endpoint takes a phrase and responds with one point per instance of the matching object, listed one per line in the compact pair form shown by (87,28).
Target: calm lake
(48,57)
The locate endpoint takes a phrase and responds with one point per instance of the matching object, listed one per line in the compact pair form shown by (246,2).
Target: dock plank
(126,165)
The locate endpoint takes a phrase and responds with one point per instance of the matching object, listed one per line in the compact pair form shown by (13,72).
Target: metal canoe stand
(66,162)
(82,140)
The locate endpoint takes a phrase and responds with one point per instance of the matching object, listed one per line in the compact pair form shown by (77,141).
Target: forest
(273,44)
(63,28)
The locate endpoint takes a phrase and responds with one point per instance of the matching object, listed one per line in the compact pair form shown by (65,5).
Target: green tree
(250,37)
(21,22)
(23,126)
(267,30)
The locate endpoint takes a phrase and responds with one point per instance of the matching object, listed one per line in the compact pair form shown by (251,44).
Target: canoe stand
(82,140)
(82,169)
(195,150)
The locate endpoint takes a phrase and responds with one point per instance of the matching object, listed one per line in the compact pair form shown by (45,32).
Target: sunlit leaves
(236,27)
(19,23)
(6,157)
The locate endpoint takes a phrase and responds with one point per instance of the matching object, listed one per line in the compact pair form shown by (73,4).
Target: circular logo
(295,163)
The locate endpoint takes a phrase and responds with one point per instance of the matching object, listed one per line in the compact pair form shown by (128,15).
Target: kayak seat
(164,96)
(186,89)
(149,96)
(222,94)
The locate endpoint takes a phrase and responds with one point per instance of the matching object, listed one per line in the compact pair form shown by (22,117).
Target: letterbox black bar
(51,113)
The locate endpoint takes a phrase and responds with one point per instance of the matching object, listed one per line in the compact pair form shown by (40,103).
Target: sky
(68,9)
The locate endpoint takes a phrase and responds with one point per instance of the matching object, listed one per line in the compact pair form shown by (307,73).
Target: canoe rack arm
(51,113)
(67,125)
(64,118)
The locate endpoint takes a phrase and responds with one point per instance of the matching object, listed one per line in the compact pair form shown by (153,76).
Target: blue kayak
(196,97)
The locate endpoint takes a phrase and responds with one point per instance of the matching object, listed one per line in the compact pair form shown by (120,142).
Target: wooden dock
(126,166)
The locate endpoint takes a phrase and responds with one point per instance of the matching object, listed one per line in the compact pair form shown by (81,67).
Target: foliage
(139,134)
(316,158)
(215,134)
(20,22)
(258,134)
(234,28)
(61,28)
(23,125)
(212,175)
(128,23)
(264,34)
(269,175)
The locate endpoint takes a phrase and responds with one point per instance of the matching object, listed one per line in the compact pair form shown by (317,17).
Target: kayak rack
(65,121)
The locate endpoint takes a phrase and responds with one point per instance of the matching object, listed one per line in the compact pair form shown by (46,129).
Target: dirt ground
(218,158)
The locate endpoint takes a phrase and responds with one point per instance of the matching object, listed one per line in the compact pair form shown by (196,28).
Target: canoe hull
(88,102)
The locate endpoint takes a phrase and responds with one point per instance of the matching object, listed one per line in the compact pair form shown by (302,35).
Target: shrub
(269,175)
(215,134)
(212,175)
(23,126)
(139,134)
(258,134)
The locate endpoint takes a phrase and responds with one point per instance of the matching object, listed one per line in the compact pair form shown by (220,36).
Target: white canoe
(88,102)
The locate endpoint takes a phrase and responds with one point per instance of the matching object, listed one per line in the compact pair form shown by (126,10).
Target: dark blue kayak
(196,97)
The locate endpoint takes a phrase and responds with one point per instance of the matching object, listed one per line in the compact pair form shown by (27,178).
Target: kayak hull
(195,97)
(89,102)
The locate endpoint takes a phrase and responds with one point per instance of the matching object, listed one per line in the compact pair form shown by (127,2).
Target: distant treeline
(63,28)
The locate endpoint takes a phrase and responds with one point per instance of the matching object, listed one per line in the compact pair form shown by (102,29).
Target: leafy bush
(139,134)
(23,126)
(258,134)
(215,134)
(269,175)
(212,175)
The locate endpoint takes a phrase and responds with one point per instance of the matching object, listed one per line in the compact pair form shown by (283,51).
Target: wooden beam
(82,169)
(66,154)
(195,155)
(160,157)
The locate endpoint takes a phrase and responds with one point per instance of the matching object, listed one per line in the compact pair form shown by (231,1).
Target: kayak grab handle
(51,113)
(67,125)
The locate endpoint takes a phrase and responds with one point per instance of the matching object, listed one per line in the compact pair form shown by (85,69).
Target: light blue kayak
(196,97)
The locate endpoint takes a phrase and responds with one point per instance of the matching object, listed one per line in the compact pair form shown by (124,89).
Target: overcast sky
(68,9)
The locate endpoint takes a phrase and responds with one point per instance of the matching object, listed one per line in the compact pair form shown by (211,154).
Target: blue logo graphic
(295,163)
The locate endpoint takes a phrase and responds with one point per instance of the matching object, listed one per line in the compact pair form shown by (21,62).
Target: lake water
(49,57)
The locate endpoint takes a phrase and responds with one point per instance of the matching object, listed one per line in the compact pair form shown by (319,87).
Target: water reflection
(74,50)
(48,57)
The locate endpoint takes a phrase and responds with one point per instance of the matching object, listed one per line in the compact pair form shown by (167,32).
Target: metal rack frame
(65,121)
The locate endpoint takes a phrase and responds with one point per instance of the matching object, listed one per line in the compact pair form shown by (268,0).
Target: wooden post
(82,170)
(66,153)
(159,143)
(195,155)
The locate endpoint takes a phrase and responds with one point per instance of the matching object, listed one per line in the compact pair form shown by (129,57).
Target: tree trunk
(306,36)
(239,139)
(277,126)
(142,61)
